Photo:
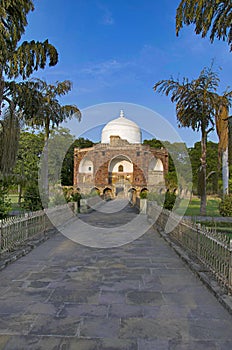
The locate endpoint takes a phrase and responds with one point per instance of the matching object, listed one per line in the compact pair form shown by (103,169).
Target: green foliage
(154,143)
(28,156)
(196,105)
(75,197)
(156,197)
(18,61)
(225,207)
(170,199)
(143,194)
(9,136)
(32,201)
(5,204)
(58,199)
(213,16)
(51,112)
(213,172)
(165,200)
(29,56)
(68,162)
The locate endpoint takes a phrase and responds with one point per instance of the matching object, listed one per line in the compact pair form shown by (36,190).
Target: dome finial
(121,113)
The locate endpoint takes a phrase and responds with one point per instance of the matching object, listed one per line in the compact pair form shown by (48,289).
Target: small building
(120,165)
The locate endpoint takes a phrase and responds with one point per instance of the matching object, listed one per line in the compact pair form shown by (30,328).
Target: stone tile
(193,345)
(118,344)
(7,307)
(151,282)
(54,326)
(145,328)
(112,298)
(38,308)
(224,345)
(144,298)
(168,311)
(153,344)
(84,310)
(79,344)
(100,328)
(191,297)
(64,295)
(123,285)
(4,339)
(124,311)
(216,329)
(209,311)
(31,343)
(16,324)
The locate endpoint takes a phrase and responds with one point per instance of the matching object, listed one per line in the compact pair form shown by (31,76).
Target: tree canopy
(17,61)
(197,103)
(214,16)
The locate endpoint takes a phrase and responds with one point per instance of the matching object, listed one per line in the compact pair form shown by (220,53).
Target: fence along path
(212,248)
(18,229)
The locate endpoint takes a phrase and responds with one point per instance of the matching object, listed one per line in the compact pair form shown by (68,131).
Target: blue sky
(115,50)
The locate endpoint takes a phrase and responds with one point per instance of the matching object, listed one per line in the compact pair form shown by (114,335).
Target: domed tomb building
(120,165)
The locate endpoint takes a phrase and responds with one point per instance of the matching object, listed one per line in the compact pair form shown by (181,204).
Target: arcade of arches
(119,168)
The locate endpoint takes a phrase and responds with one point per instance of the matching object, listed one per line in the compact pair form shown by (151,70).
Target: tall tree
(68,162)
(214,16)
(212,166)
(222,125)
(196,105)
(28,158)
(18,61)
(51,114)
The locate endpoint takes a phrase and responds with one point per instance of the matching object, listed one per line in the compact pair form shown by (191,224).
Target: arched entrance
(107,193)
(120,175)
(132,195)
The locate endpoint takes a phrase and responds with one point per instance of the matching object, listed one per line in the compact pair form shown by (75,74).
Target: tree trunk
(203,171)
(44,173)
(1,91)
(20,187)
(225,172)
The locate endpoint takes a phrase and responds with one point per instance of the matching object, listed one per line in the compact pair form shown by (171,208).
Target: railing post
(26,225)
(230,269)
(0,237)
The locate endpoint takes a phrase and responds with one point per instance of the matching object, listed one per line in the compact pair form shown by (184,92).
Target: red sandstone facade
(119,168)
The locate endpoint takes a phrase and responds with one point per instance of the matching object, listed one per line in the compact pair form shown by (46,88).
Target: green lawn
(14,202)
(194,206)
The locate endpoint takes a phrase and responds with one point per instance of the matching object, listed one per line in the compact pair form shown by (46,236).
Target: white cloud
(107,18)
(103,68)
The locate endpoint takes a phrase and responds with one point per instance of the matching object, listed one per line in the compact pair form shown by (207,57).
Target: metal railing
(18,229)
(212,248)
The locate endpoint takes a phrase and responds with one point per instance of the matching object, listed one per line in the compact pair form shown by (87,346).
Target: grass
(193,208)
(14,202)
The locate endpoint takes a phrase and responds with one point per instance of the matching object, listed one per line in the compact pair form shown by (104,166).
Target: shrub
(143,194)
(5,205)
(32,200)
(225,206)
(169,201)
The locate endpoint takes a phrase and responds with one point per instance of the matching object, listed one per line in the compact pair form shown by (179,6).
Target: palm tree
(18,61)
(9,137)
(222,125)
(196,105)
(50,114)
(214,16)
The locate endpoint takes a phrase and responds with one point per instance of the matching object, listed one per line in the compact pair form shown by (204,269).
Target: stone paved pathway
(140,296)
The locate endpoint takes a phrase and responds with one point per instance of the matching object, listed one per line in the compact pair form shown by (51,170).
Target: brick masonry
(101,156)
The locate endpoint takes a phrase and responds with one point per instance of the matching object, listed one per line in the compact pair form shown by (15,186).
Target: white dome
(123,127)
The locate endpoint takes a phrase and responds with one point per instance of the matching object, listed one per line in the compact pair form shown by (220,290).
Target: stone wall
(101,156)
